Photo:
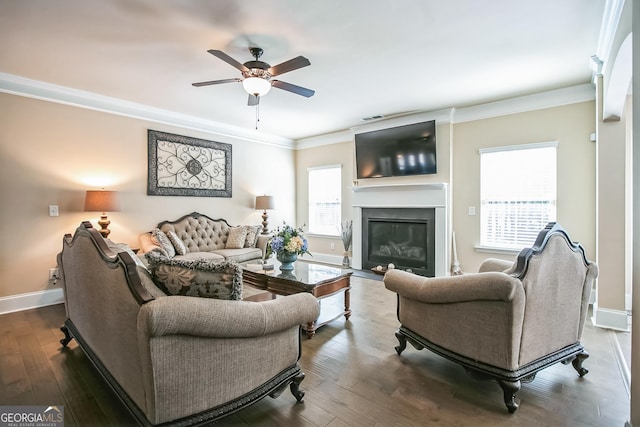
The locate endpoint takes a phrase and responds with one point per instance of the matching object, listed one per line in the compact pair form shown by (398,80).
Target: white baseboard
(30,300)
(610,319)
(625,372)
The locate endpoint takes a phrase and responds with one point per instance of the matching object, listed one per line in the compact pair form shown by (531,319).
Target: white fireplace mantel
(425,195)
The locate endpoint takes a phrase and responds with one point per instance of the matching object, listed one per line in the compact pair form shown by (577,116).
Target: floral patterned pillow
(196,278)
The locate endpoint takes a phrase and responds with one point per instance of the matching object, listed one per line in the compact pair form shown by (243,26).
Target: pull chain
(257,115)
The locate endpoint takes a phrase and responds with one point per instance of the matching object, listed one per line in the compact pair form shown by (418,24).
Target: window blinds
(518,194)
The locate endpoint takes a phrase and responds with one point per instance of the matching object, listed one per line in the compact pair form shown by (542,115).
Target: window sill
(323,236)
(497,250)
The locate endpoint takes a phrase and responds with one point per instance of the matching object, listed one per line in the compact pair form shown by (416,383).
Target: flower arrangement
(288,239)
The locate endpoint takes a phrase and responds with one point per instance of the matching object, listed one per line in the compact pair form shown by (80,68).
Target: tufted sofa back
(198,232)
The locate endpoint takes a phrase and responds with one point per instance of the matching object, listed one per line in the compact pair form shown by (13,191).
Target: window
(325,200)
(517,193)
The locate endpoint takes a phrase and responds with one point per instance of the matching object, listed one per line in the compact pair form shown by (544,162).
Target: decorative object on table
(378,269)
(455,268)
(101,201)
(287,243)
(347,227)
(265,203)
(184,166)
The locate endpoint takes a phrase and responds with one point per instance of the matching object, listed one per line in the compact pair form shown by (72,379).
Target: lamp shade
(256,86)
(101,201)
(264,203)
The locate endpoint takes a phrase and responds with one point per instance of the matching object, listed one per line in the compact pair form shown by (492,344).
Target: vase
(346,262)
(286,260)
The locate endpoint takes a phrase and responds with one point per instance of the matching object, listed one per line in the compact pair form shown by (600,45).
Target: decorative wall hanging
(184,166)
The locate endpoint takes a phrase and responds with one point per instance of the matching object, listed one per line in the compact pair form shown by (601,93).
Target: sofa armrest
(495,264)
(146,244)
(491,286)
(206,317)
(261,244)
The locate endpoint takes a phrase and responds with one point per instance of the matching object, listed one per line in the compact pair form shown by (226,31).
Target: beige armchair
(508,321)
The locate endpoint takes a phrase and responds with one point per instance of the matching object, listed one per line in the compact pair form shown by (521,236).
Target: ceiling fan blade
(229,60)
(299,90)
(253,100)
(290,65)
(216,82)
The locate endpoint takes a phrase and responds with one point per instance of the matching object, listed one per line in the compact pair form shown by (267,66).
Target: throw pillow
(196,278)
(236,238)
(177,243)
(159,238)
(252,235)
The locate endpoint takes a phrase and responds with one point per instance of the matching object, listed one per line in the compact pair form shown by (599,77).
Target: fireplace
(402,224)
(403,237)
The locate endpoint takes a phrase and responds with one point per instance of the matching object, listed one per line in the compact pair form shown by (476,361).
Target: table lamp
(264,203)
(101,201)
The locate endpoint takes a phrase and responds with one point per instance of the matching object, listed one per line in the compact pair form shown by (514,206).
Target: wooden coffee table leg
(347,303)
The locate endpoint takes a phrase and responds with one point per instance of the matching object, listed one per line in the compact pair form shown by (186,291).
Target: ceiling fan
(256,75)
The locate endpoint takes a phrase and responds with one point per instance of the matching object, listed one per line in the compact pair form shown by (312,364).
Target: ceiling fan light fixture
(256,86)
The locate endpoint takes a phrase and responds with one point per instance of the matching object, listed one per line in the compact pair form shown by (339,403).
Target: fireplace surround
(406,210)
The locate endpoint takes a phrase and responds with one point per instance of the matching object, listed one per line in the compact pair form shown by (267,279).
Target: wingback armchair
(509,320)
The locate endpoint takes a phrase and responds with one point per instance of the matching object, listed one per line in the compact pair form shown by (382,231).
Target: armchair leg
(403,343)
(577,363)
(295,387)
(510,388)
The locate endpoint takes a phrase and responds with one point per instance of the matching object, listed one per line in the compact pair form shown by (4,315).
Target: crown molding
(440,116)
(22,86)
(553,98)
(608,28)
(538,101)
(326,139)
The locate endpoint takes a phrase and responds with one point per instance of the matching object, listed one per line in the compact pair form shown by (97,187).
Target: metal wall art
(184,166)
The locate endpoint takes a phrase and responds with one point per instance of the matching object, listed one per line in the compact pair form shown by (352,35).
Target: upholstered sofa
(508,321)
(197,236)
(179,360)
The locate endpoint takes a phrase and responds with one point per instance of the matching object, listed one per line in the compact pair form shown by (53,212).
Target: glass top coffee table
(320,280)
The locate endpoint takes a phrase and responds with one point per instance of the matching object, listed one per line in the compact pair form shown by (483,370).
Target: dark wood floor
(353,378)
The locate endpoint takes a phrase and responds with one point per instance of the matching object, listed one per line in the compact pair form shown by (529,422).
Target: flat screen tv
(398,151)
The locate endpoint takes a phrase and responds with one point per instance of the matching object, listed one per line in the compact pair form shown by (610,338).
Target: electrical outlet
(53,274)
(53,210)
(472,210)
(332,246)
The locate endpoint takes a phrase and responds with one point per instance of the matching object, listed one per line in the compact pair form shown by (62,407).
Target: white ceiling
(383,57)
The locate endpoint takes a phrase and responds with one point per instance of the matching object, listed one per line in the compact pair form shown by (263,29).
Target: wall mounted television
(399,151)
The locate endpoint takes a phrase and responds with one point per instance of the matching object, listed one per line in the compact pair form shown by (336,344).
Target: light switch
(53,210)
(472,210)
